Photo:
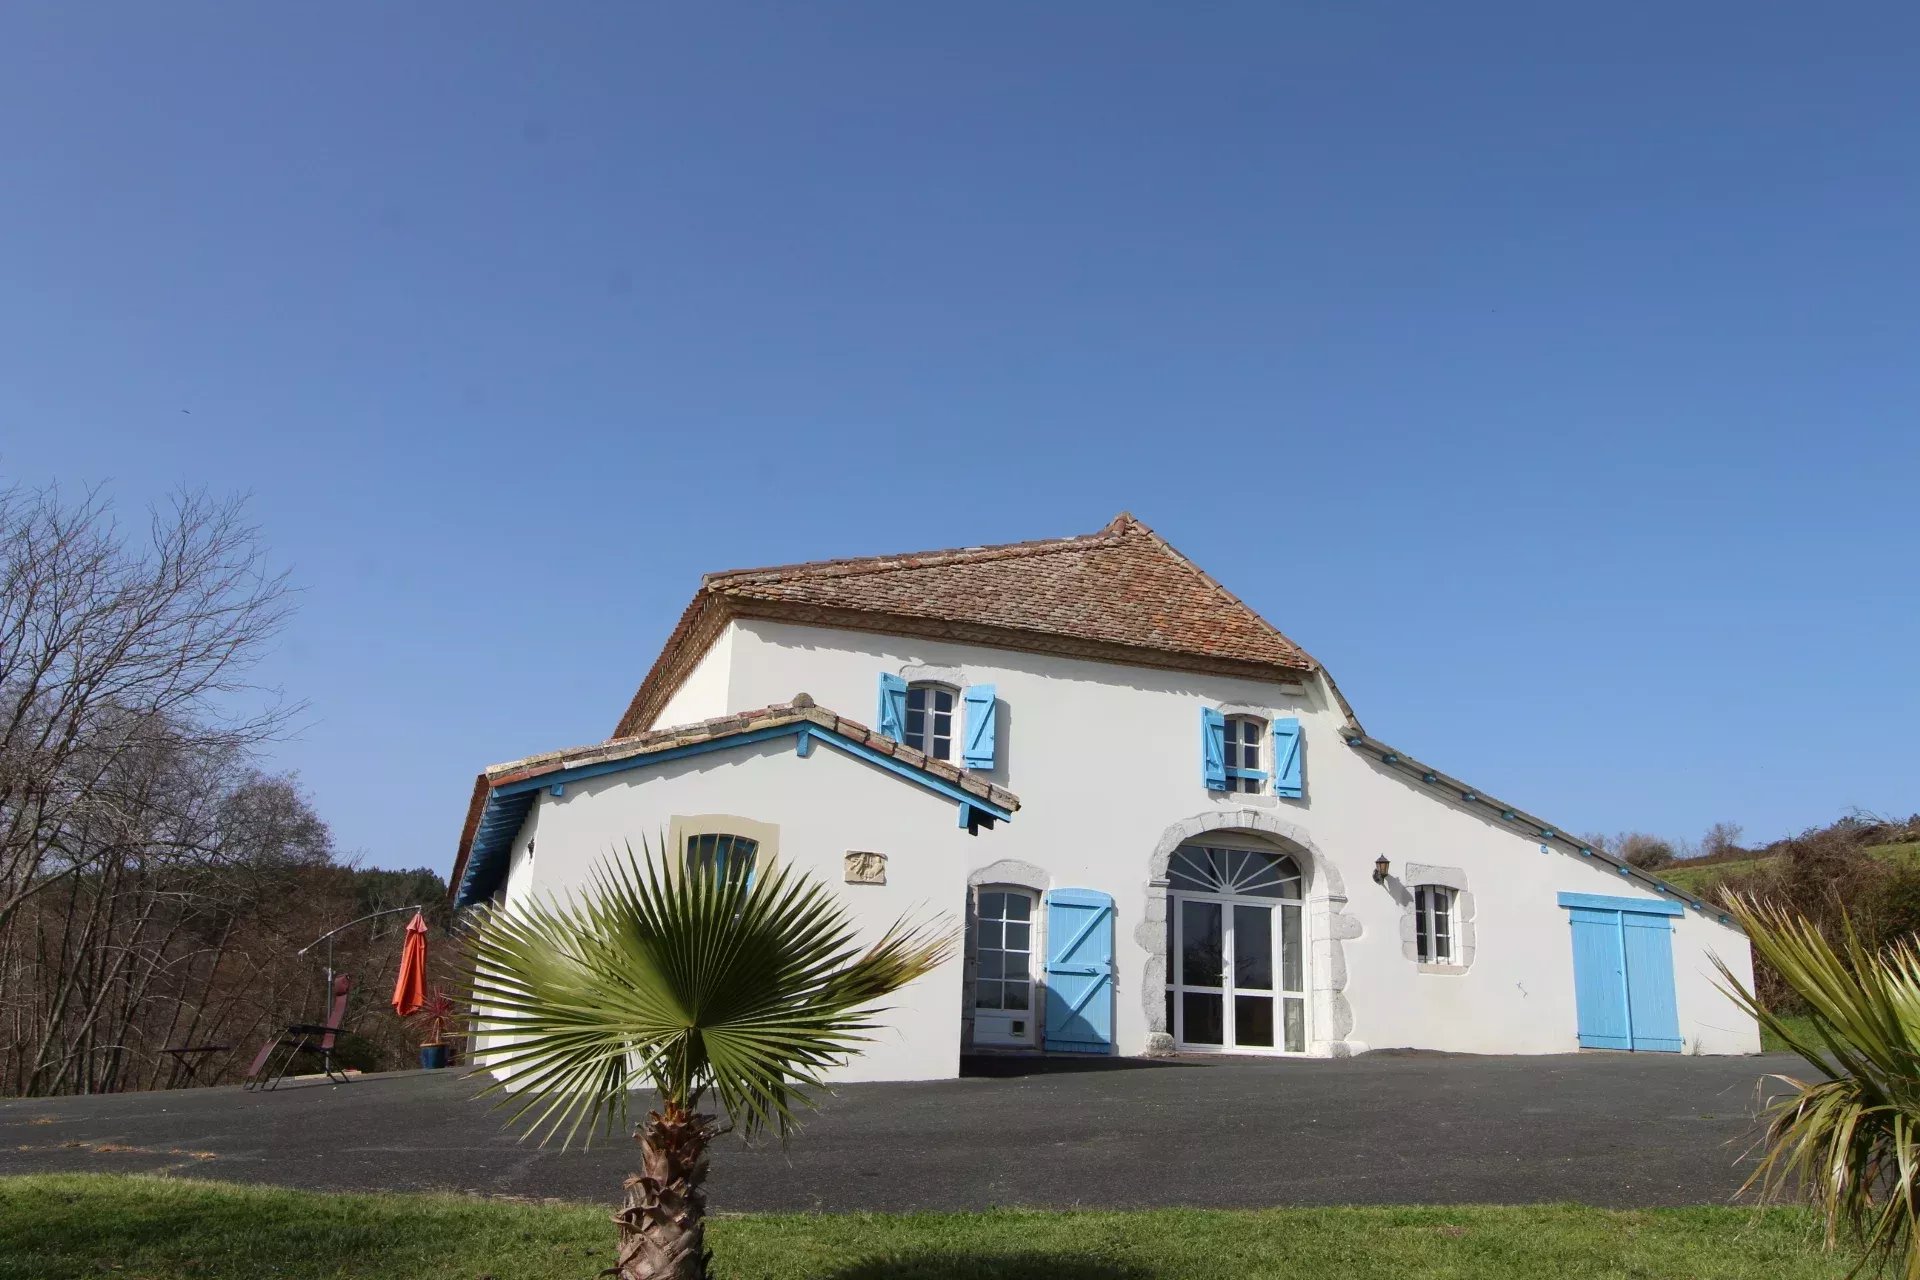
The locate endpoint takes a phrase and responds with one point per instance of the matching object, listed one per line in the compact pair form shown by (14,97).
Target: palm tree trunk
(663,1227)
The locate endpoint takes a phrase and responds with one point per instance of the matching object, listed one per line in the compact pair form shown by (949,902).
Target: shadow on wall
(979,1266)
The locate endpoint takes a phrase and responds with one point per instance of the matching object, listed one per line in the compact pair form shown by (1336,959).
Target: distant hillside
(1699,875)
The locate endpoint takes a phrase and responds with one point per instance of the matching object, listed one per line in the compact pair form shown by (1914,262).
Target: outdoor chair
(303,1037)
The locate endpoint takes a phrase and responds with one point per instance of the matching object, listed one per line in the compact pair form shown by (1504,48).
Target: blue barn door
(1079,971)
(1623,972)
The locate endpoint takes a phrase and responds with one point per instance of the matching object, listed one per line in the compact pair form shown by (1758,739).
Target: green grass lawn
(1770,1043)
(66,1227)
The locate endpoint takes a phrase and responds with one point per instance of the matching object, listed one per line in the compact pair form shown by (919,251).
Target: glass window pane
(1202,1014)
(990,934)
(1290,949)
(992,963)
(1169,1011)
(1421,947)
(1201,944)
(917,698)
(1289,872)
(1016,995)
(986,995)
(1233,754)
(992,905)
(1019,906)
(1250,756)
(1253,949)
(1296,1019)
(1017,937)
(916,725)
(1253,1021)
(942,749)
(943,700)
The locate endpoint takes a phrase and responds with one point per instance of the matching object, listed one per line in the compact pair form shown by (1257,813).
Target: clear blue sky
(1550,376)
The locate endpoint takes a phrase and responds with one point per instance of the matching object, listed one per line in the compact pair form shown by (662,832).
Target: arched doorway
(1236,948)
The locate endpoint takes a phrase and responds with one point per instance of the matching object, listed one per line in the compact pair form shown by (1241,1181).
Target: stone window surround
(922,673)
(1328,927)
(1013,874)
(680,826)
(1465,938)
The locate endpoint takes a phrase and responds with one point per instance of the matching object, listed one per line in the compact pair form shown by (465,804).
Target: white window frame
(926,740)
(1243,746)
(1433,903)
(1032,922)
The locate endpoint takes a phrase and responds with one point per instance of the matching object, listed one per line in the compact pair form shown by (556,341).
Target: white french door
(1235,977)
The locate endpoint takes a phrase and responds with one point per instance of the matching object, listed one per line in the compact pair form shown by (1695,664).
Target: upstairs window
(1243,754)
(1433,931)
(927,716)
(1236,757)
(929,722)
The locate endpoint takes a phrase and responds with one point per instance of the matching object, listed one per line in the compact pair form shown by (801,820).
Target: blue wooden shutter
(892,719)
(1287,742)
(982,725)
(1079,971)
(1213,749)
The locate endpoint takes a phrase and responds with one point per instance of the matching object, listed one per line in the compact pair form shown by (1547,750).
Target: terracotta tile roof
(639,745)
(801,708)
(1122,595)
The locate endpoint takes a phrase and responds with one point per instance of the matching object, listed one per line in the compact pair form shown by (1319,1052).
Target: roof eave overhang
(1510,817)
(503,797)
(711,611)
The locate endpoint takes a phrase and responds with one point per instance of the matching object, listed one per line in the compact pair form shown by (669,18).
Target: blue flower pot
(433,1056)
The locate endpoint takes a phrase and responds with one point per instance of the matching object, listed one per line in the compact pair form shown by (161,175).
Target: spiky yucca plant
(694,983)
(1850,1140)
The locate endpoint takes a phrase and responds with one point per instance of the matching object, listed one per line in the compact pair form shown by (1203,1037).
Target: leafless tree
(113,647)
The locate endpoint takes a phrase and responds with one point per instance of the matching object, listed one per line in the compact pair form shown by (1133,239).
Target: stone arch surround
(1330,927)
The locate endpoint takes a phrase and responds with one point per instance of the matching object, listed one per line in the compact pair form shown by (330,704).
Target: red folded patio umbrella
(410,992)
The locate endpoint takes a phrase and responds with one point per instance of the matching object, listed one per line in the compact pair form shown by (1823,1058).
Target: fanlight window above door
(1241,872)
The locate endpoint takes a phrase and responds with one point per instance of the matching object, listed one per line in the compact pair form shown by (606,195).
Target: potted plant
(435,1014)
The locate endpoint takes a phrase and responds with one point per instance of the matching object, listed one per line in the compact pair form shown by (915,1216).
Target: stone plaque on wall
(866,868)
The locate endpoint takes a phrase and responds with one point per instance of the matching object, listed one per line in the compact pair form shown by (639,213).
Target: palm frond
(1846,1141)
(749,986)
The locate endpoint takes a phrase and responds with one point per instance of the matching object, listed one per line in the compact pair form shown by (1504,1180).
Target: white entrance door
(1236,983)
(1003,968)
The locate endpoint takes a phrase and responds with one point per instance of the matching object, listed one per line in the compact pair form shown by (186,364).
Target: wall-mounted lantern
(1380,866)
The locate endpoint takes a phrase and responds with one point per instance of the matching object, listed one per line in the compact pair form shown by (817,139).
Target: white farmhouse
(1163,825)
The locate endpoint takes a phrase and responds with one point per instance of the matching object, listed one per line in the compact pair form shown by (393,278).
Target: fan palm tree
(708,983)
(1849,1141)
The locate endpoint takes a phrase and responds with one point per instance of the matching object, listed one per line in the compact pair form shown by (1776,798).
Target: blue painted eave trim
(1607,902)
(507,805)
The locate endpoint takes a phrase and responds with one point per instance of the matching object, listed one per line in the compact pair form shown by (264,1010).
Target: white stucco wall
(1105,760)
(703,695)
(824,805)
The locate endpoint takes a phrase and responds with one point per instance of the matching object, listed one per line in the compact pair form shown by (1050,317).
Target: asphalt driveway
(1604,1129)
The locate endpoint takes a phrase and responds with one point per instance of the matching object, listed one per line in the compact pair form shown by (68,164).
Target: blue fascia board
(1607,902)
(507,805)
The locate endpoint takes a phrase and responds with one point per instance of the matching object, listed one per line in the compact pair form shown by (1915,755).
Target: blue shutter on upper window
(1287,744)
(892,720)
(1213,749)
(982,725)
